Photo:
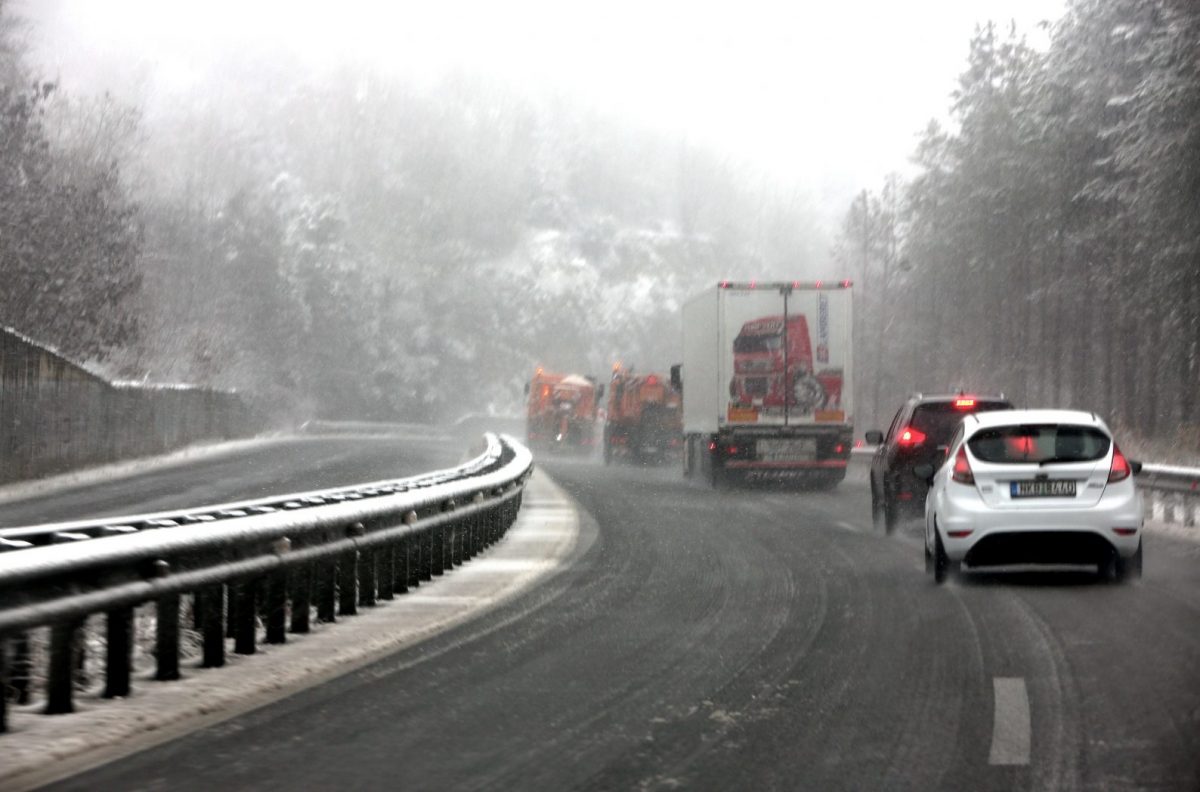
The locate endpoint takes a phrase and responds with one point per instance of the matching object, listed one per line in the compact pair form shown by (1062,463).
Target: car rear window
(1039,443)
(938,420)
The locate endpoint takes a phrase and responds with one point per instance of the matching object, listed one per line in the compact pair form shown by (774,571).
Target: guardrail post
(60,682)
(277,583)
(347,584)
(21,669)
(3,683)
(327,590)
(437,552)
(366,578)
(231,610)
(302,582)
(401,572)
(387,570)
(213,611)
(118,654)
(1189,512)
(166,638)
(246,616)
(425,551)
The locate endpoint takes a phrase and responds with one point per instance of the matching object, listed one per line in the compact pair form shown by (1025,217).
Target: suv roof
(947,397)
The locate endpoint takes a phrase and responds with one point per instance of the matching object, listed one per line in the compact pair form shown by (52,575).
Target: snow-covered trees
(69,236)
(1052,239)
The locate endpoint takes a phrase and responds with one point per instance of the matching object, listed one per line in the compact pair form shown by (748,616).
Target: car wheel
(943,567)
(1122,569)
(877,515)
(891,516)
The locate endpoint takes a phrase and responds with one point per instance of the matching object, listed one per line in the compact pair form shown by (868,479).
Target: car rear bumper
(1031,536)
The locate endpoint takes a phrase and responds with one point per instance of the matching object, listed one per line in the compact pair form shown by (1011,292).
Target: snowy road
(746,641)
(245,471)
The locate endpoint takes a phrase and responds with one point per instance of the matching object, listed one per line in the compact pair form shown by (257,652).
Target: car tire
(891,516)
(943,567)
(1123,569)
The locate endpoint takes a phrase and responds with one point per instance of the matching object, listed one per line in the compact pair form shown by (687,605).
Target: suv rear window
(938,420)
(1039,443)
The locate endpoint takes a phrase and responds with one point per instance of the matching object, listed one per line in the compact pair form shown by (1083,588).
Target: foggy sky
(829,95)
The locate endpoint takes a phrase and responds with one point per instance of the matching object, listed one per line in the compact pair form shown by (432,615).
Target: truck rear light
(1119,471)
(962,468)
(959,534)
(1125,531)
(911,438)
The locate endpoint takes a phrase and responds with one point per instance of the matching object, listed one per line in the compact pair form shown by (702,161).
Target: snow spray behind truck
(766,382)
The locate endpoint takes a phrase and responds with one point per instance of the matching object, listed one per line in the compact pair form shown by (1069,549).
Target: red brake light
(963,404)
(911,438)
(1120,466)
(962,468)
(652,380)
(732,450)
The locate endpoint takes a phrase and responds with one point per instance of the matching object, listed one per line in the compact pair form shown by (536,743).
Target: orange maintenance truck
(561,412)
(644,421)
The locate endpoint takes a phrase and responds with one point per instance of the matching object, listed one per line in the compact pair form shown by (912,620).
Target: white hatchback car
(1033,487)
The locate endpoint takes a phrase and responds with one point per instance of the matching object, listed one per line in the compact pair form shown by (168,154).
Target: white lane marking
(846,526)
(1010,724)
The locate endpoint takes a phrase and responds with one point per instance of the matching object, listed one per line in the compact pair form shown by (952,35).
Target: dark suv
(919,434)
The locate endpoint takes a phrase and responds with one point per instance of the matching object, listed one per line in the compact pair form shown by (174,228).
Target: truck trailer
(766,382)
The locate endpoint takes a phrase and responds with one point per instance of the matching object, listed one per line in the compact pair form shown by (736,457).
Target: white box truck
(766,381)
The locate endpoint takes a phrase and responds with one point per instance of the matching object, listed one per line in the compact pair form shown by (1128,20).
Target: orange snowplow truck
(561,411)
(644,420)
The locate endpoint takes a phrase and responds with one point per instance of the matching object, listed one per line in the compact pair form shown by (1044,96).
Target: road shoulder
(41,749)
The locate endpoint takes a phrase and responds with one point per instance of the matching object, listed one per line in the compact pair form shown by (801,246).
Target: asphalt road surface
(747,640)
(277,467)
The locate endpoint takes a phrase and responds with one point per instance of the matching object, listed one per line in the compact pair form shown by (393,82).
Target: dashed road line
(1010,722)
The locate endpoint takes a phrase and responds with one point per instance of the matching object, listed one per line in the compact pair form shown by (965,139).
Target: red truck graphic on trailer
(761,353)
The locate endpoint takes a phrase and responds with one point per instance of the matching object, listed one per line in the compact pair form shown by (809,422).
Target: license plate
(1043,488)
(799,449)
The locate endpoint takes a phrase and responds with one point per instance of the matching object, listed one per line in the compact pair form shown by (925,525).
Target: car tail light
(911,438)
(712,447)
(1120,466)
(962,468)
(732,450)
(1125,531)
(963,534)
(839,448)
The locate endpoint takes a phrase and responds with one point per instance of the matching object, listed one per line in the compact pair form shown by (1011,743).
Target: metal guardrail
(1173,491)
(236,568)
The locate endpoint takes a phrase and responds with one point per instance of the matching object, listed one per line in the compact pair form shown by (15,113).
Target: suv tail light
(910,438)
(1120,466)
(962,468)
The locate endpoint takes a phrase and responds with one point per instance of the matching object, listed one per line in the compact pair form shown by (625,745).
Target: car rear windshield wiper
(1053,459)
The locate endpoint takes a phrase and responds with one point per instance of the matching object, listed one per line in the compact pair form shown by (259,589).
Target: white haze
(825,95)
